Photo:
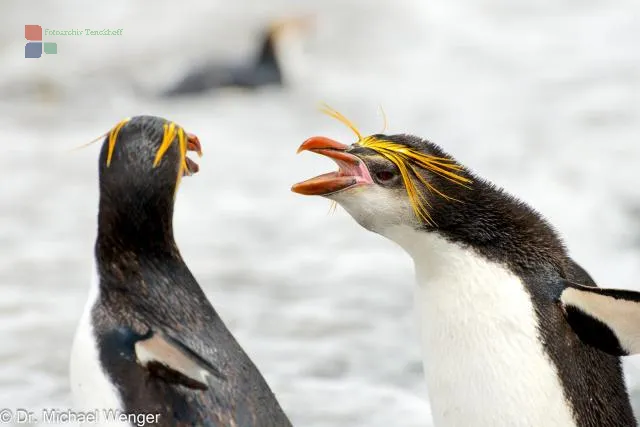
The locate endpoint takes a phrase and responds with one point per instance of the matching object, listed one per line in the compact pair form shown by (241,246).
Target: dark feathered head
(142,162)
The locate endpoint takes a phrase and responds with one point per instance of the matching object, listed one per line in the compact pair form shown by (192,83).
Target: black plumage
(146,287)
(264,70)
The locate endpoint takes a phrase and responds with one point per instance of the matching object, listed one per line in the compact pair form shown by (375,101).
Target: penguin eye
(386,177)
(384,172)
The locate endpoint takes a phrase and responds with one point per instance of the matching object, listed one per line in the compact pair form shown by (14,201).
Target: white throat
(483,359)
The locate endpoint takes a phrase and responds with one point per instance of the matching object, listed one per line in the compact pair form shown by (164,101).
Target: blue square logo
(33,50)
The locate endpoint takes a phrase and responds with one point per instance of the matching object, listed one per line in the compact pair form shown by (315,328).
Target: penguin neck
(267,56)
(497,226)
(136,224)
(136,255)
(479,333)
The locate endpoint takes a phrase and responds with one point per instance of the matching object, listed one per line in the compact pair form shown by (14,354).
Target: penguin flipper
(171,360)
(608,319)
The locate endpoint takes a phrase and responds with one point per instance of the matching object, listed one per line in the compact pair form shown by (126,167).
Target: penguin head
(386,181)
(145,157)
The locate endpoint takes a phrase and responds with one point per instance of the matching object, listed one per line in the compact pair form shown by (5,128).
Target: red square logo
(33,32)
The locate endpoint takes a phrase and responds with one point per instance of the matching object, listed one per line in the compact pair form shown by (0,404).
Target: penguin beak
(193,144)
(351,172)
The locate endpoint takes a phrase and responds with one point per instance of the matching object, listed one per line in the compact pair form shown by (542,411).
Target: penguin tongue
(352,171)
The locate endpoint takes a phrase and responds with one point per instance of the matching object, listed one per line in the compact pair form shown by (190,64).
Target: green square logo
(50,48)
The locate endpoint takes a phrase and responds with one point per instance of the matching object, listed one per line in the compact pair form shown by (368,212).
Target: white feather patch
(483,359)
(90,386)
(620,315)
(160,350)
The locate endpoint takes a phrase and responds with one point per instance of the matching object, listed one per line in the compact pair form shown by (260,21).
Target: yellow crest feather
(113,137)
(408,160)
(171,130)
(338,116)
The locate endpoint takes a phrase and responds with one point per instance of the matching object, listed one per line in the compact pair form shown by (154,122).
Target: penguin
(514,332)
(266,69)
(149,342)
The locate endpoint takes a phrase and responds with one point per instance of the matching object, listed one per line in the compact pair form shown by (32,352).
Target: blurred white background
(540,97)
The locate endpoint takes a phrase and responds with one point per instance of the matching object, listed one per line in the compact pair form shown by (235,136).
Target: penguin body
(149,341)
(492,279)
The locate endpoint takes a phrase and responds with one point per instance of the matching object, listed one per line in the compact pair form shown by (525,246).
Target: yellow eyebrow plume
(338,116)
(408,161)
(168,137)
(183,155)
(385,123)
(85,145)
(113,137)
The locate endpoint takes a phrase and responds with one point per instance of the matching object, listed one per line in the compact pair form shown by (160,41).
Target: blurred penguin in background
(279,51)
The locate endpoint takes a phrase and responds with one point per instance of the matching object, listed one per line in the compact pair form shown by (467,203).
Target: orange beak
(352,170)
(193,144)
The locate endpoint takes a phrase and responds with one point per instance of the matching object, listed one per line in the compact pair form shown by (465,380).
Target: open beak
(193,144)
(351,170)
